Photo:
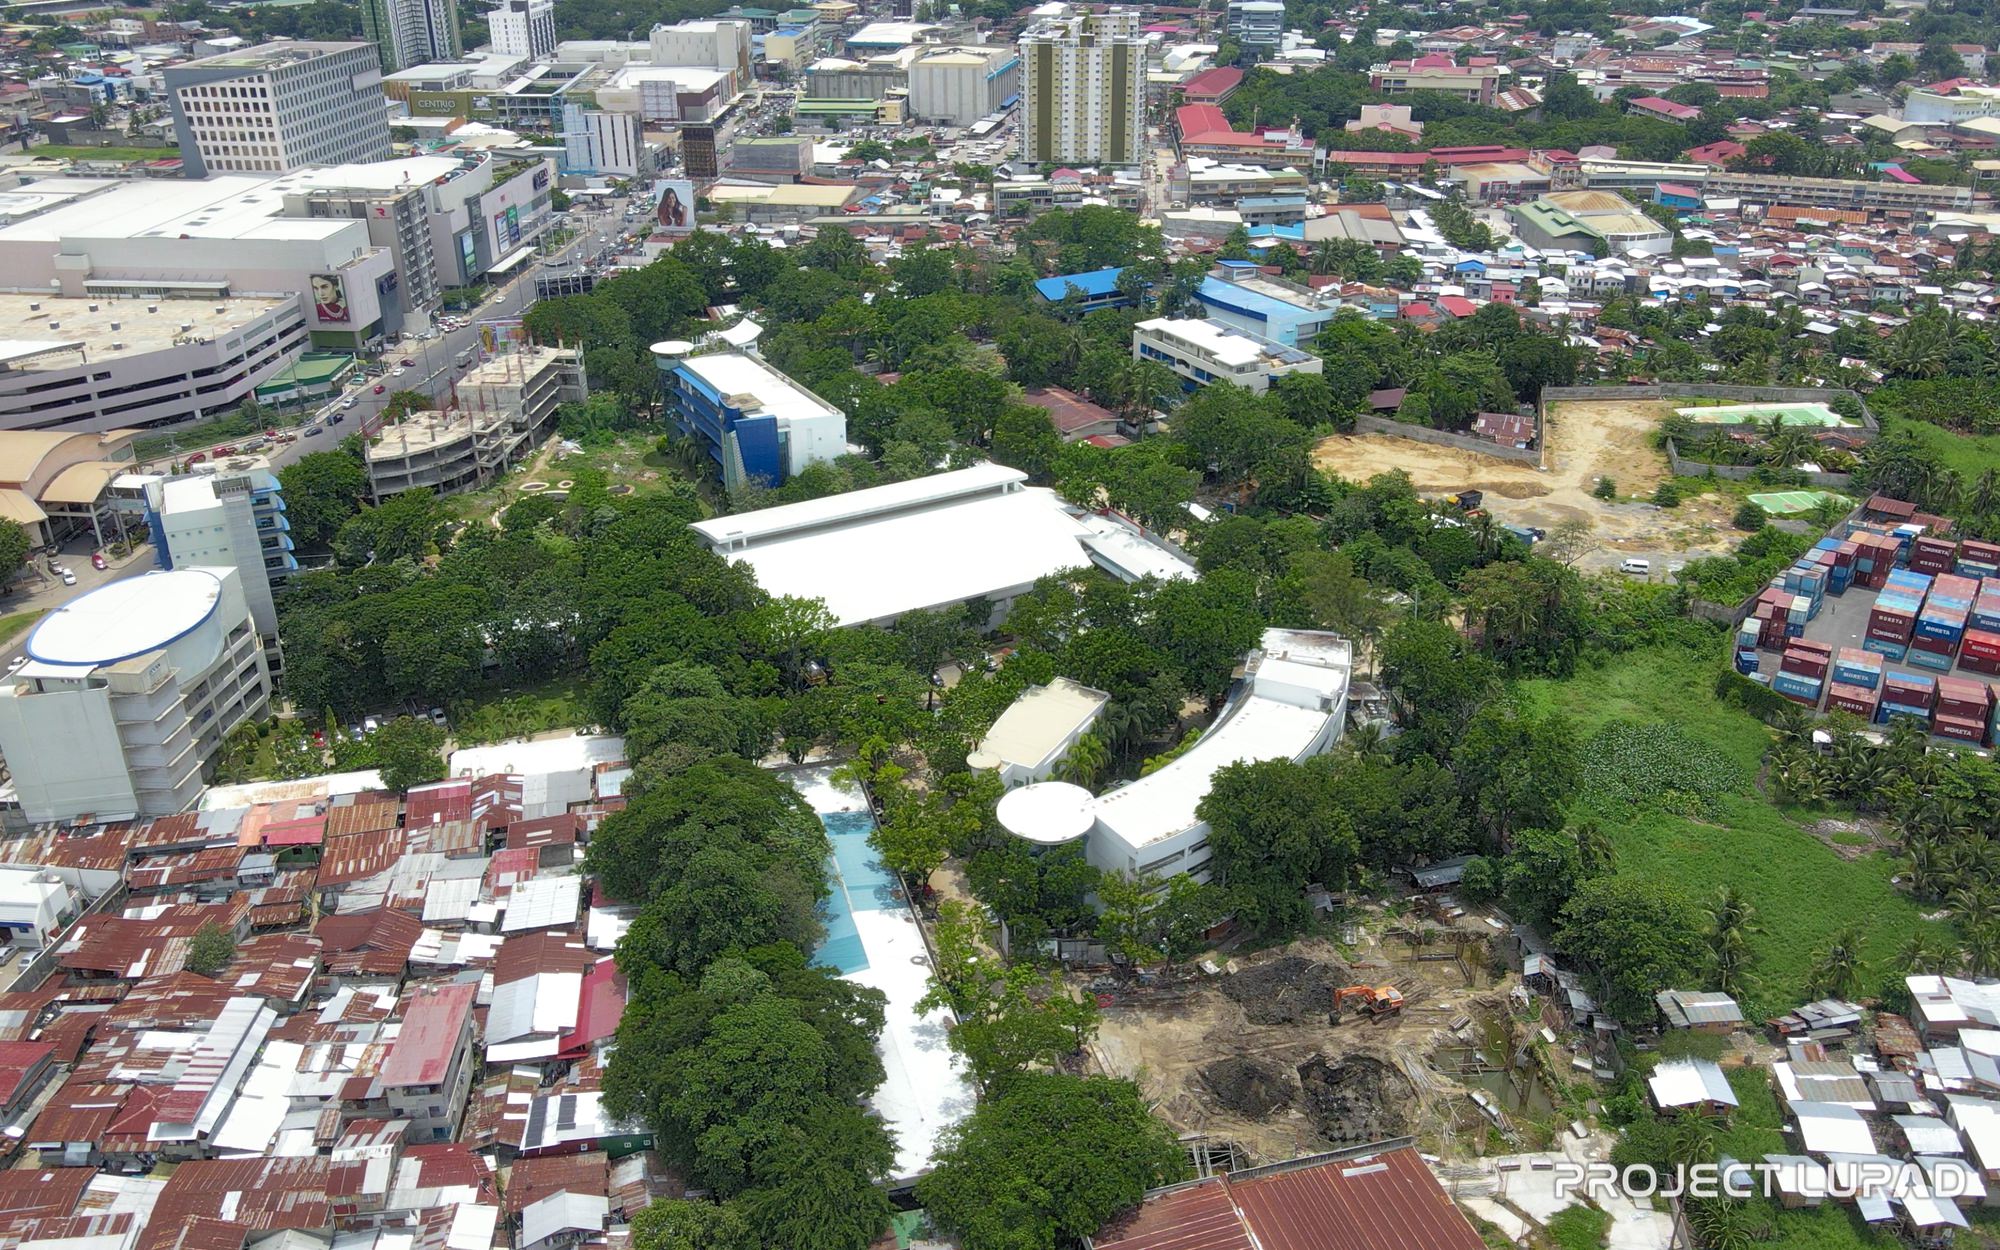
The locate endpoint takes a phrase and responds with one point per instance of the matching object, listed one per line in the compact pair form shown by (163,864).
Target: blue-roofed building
(755,423)
(1099,287)
(1238,294)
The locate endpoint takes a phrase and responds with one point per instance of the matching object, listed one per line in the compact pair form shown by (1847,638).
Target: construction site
(1407,1027)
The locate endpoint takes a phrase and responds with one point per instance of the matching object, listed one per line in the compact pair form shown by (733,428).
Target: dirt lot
(1249,1057)
(1586,440)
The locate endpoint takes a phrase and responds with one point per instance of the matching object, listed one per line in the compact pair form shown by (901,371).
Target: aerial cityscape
(931,625)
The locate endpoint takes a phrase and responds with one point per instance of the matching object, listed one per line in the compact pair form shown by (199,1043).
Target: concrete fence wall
(1444,438)
(1708,390)
(1684,467)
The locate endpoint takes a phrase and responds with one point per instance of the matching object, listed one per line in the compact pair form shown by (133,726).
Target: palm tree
(1985,494)
(1981,952)
(1730,922)
(1594,851)
(1794,725)
(1368,741)
(1086,761)
(1838,971)
(1974,905)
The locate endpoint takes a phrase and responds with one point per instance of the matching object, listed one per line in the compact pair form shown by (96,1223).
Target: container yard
(1886,623)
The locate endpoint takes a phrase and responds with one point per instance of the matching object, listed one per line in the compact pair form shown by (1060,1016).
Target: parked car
(14,665)
(197,457)
(227,449)
(1636,566)
(68,578)
(97,560)
(369,724)
(438,717)
(335,419)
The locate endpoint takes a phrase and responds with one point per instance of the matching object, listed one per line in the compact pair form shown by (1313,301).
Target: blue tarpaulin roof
(1095,285)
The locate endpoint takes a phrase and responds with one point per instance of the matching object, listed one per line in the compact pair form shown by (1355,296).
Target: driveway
(39,590)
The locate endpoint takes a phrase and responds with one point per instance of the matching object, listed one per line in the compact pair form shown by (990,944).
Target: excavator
(1378,1002)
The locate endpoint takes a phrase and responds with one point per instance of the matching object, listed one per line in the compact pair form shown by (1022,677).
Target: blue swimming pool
(858,883)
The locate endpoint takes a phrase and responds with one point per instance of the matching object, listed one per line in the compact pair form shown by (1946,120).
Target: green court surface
(1786,502)
(1743,414)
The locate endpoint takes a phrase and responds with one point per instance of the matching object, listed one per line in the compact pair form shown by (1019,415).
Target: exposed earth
(1586,440)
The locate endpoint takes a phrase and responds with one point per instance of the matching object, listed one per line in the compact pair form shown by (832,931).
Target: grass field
(498,715)
(1970,454)
(56,151)
(14,624)
(1803,893)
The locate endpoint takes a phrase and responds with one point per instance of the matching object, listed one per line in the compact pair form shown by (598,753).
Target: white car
(398,371)
(369,724)
(349,402)
(68,578)
(16,664)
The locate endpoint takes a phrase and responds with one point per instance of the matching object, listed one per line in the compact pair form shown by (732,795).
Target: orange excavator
(1378,1002)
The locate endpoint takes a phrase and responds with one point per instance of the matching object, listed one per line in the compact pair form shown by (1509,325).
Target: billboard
(329,295)
(673,213)
(468,256)
(506,228)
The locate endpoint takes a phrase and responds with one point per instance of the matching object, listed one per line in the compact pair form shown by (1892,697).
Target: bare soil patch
(1586,440)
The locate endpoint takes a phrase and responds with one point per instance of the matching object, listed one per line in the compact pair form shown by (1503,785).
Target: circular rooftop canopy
(126,618)
(1047,813)
(672,349)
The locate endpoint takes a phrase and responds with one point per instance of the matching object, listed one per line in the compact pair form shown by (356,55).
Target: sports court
(1810,413)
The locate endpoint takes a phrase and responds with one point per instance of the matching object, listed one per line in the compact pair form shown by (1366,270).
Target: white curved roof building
(1292,704)
(127,692)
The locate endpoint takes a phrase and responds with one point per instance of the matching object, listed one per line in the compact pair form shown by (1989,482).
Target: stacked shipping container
(1802,673)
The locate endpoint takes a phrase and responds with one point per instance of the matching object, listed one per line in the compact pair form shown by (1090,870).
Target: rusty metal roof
(1386,1201)
(260,1195)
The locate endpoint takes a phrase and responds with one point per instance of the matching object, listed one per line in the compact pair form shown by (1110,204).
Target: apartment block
(1083,87)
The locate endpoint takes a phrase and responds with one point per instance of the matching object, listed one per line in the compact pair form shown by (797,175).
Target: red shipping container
(1856,699)
(1979,663)
(1889,633)
(1802,666)
(1961,730)
(1980,642)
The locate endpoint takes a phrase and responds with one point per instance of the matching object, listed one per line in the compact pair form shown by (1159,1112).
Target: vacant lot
(1586,440)
(1803,891)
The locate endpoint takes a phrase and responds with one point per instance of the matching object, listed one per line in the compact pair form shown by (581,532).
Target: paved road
(433,369)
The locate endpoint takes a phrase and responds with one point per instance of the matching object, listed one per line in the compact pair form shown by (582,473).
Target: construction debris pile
(1291,990)
(1359,1098)
(1248,1087)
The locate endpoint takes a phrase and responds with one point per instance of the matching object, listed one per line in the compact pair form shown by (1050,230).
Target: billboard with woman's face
(674,214)
(329,295)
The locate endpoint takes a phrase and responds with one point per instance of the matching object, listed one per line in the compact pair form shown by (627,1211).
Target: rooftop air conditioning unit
(93,308)
(117,326)
(220,309)
(55,325)
(34,307)
(117,346)
(187,327)
(152,308)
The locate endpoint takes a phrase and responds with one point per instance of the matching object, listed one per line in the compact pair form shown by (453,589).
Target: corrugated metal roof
(1388,1201)
(434,1020)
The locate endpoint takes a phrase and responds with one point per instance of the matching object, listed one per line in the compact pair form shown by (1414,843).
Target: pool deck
(1802,413)
(926,1089)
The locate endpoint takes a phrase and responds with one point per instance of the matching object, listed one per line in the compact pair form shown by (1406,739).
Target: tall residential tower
(411,32)
(1083,90)
(278,106)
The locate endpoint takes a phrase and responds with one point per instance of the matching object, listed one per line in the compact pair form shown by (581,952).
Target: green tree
(211,949)
(1641,934)
(14,545)
(690,1224)
(1047,1160)
(322,490)
(1273,831)
(410,752)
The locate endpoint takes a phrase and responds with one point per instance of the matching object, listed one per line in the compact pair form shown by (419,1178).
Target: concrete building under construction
(499,410)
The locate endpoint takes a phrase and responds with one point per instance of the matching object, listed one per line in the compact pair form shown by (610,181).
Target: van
(1636,567)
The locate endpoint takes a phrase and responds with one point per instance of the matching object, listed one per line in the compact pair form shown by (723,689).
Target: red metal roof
(433,1022)
(535,1178)
(1388,1201)
(1212,84)
(447,800)
(560,830)
(17,1061)
(600,1007)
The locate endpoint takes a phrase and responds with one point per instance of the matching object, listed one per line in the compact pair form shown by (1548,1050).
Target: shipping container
(1959,730)
(1885,647)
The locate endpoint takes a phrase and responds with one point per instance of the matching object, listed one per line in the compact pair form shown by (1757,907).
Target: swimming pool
(859,883)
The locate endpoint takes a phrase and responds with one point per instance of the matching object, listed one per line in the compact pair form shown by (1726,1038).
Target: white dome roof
(1048,813)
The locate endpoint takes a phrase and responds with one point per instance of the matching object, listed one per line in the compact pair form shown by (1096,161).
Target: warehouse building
(958,86)
(931,542)
(127,693)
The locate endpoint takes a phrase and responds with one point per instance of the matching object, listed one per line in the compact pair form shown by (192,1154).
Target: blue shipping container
(1928,659)
(1894,650)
